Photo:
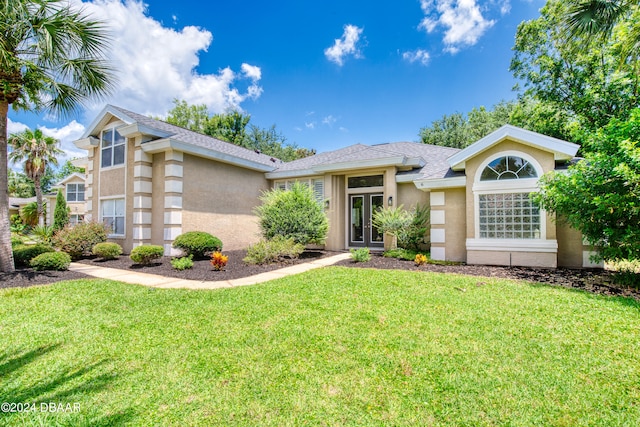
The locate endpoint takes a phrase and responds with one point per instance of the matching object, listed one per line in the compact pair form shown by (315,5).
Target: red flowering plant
(219,261)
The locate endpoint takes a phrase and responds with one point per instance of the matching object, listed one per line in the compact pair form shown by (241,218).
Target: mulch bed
(596,281)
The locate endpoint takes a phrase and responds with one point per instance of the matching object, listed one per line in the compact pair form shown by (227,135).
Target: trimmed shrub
(197,243)
(275,250)
(23,254)
(107,250)
(182,263)
(58,261)
(146,253)
(293,214)
(360,255)
(78,240)
(61,212)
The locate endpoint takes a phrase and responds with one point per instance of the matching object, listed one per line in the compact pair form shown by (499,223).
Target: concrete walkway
(156,281)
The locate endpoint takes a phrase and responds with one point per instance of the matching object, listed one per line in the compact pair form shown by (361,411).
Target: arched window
(508,167)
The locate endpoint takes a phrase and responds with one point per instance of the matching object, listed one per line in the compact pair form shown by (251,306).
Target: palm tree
(37,151)
(51,58)
(598,18)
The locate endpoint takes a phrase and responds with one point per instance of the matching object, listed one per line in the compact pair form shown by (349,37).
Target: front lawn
(335,346)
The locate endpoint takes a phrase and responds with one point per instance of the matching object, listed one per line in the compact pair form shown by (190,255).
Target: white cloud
(310,125)
(329,120)
(344,46)
(15,127)
(66,135)
(462,21)
(156,64)
(418,55)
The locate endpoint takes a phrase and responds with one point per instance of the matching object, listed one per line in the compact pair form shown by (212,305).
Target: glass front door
(361,231)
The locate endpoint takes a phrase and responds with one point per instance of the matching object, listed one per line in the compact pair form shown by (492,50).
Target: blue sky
(327,74)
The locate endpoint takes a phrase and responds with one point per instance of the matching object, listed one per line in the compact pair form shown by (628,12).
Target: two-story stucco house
(152,181)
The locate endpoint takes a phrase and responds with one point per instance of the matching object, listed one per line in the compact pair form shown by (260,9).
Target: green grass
(336,346)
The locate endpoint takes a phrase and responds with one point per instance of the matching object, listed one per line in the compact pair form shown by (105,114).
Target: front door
(361,232)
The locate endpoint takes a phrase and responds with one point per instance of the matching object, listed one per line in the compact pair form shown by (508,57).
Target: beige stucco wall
(529,259)
(219,198)
(455,231)
(409,196)
(569,246)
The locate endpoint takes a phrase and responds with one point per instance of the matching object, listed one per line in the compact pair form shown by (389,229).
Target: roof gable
(161,135)
(562,150)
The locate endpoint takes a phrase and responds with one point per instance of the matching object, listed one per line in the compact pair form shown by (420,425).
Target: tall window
(316,184)
(113,215)
(112,148)
(75,192)
(505,210)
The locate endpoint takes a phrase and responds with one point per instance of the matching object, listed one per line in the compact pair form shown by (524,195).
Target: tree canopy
(600,196)
(235,127)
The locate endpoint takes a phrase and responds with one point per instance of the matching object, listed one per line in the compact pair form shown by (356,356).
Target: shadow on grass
(63,387)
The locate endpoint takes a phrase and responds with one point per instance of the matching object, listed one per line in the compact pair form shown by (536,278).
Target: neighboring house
(152,181)
(17,203)
(73,189)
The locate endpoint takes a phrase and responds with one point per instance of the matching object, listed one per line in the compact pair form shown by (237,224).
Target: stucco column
(142,187)
(173,173)
(437,202)
(90,184)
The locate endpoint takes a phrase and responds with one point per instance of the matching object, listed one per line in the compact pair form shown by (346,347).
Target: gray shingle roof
(435,157)
(197,139)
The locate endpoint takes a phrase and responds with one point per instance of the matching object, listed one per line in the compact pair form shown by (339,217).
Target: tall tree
(587,78)
(61,212)
(51,58)
(37,151)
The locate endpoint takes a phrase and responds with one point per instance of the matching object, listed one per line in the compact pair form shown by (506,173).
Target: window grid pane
(508,216)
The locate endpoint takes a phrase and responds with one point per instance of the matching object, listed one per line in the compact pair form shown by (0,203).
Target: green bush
(107,250)
(275,250)
(400,253)
(183,263)
(78,240)
(197,243)
(16,240)
(58,261)
(360,255)
(146,253)
(43,233)
(294,214)
(23,254)
(409,227)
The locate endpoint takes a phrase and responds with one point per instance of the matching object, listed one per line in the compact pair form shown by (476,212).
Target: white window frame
(113,128)
(311,182)
(521,185)
(79,218)
(124,214)
(76,192)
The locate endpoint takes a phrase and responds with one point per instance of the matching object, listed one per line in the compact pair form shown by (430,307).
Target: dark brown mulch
(591,280)
(596,281)
(202,269)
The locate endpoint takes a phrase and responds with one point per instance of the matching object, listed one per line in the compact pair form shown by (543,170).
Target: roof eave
(398,161)
(290,174)
(166,144)
(87,143)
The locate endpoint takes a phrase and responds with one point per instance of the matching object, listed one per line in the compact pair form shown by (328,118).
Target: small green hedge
(58,261)
(146,253)
(107,250)
(275,250)
(197,243)
(23,254)
(183,263)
